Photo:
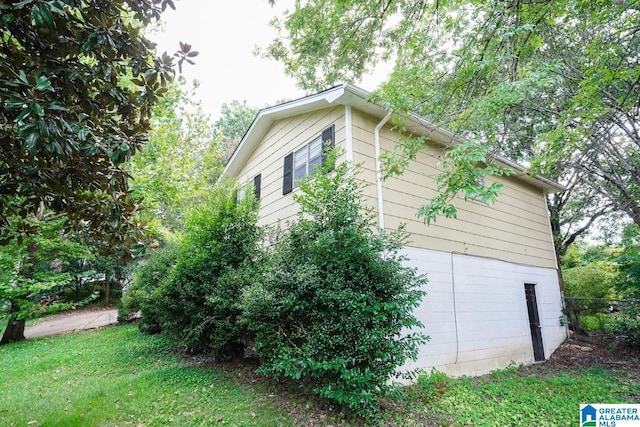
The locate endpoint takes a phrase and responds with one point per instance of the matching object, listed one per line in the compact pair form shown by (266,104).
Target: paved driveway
(72,321)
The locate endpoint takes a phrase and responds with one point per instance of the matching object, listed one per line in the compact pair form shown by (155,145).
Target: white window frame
(304,157)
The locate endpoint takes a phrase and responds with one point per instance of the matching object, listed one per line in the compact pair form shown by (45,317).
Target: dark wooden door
(534,322)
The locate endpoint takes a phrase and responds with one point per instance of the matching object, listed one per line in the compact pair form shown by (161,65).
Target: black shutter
(328,142)
(257,180)
(287,177)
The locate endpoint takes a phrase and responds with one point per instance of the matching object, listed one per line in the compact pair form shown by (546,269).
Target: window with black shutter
(257,181)
(304,161)
(287,178)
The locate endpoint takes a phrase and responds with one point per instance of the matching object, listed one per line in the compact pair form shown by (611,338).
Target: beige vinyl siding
(515,228)
(282,138)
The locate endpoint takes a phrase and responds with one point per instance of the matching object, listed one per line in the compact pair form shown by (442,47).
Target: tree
(79,80)
(69,122)
(36,267)
(235,119)
(628,262)
(181,160)
(546,83)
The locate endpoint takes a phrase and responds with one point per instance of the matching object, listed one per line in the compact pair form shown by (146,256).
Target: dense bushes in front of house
(335,302)
(329,302)
(198,303)
(143,293)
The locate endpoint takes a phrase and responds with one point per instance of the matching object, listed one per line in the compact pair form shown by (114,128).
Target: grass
(508,397)
(117,376)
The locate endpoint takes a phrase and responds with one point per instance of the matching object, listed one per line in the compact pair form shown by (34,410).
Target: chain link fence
(615,316)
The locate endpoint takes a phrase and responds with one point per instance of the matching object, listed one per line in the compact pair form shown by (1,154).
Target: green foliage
(69,121)
(181,160)
(118,376)
(553,85)
(198,302)
(628,262)
(235,120)
(626,323)
(588,290)
(594,280)
(37,264)
(236,117)
(598,321)
(336,303)
(465,167)
(144,292)
(597,278)
(509,397)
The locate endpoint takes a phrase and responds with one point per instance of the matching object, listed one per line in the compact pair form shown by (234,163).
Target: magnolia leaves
(78,82)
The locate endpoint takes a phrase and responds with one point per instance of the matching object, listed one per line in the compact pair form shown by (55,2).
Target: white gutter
(348,133)
(376,143)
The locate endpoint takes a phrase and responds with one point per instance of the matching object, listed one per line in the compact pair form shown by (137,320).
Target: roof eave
(348,94)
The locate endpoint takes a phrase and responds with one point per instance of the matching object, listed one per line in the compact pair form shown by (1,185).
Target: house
(588,415)
(493,295)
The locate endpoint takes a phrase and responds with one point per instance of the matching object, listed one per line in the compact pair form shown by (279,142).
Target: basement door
(534,322)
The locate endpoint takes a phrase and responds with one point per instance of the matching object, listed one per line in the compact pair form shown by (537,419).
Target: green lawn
(119,377)
(509,398)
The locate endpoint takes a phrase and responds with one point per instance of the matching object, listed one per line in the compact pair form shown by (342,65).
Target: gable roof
(348,94)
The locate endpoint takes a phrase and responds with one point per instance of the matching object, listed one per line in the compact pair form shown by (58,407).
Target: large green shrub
(335,306)
(588,289)
(594,280)
(143,294)
(626,323)
(198,303)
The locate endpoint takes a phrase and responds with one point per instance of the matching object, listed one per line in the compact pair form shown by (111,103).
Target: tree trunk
(14,331)
(107,292)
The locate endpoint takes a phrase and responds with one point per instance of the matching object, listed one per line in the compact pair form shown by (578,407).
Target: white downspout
(348,133)
(376,143)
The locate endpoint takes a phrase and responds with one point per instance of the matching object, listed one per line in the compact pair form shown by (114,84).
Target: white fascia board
(348,94)
(265,118)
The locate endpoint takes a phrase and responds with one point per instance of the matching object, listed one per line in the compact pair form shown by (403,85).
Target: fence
(616,316)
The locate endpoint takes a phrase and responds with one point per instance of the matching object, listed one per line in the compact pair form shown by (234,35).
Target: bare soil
(594,351)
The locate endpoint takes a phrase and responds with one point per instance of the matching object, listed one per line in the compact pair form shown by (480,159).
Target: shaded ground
(73,321)
(594,351)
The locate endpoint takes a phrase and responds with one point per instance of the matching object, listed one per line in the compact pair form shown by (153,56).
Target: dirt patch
(73,313)
(595,351)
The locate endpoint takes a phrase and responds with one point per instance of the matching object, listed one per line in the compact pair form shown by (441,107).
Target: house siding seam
(283,137)
(514,228)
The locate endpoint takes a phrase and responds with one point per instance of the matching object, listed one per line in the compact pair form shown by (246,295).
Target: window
(304,161)
(243,191)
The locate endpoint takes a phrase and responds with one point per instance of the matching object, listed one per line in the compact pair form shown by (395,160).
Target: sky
(226,34)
